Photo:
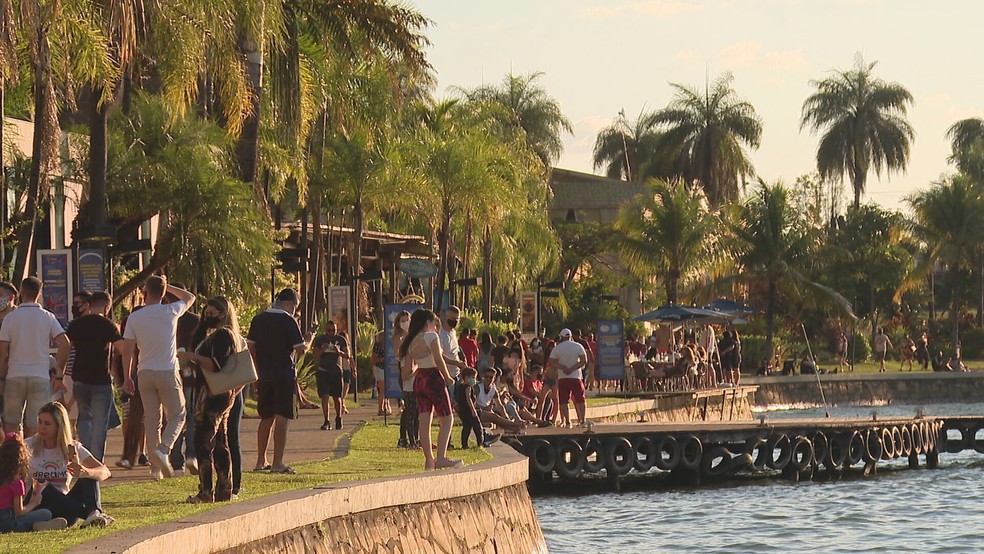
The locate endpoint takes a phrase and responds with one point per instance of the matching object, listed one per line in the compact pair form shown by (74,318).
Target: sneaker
(490,440)
(402,443)
(159,461)
(142,460)
(191,464)
(95,519)
(125,464)
(56,524)
(325,426)
(338,423)
(156,474)
(180,472)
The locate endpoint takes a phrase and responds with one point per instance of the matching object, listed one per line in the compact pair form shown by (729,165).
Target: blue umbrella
(730,307)
(674,312)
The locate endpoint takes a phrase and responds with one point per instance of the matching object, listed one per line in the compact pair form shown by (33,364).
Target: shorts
(329,382)
(347,376)
(378,373)
(570,388)
(431,393)
(24,395)
(276,397)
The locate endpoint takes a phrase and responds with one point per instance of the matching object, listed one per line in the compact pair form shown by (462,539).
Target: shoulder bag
(238,371)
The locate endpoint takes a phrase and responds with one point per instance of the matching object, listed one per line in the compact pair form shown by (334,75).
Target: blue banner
(611,350)
(92,269)
(55,267)
(391,370)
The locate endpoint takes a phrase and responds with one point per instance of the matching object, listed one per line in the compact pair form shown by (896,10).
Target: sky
(599,57)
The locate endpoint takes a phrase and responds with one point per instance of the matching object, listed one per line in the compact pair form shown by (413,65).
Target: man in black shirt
(93,336)
(275,342)
(329,349)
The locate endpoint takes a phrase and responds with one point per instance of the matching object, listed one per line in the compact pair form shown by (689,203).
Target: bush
(972,343)
(752,352)
(860,351)
(495,328)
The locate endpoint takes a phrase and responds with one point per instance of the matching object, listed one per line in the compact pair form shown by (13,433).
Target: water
(898,510)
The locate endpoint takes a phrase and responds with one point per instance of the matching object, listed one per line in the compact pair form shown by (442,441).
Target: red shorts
(431,394)
(570,388)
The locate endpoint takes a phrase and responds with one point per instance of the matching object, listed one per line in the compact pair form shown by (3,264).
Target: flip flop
(267,467)
(286,470)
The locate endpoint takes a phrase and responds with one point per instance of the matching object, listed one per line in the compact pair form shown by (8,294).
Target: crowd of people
(692,356)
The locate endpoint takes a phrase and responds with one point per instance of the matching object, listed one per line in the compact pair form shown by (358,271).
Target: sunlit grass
(135,505)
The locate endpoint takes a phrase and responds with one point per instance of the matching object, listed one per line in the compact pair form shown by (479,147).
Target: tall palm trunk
(444,243)
(467,260)
(43,95)
(314,259)
(248,144)
(98,145)
(858,180)
(956,296)
(770,319)
(487,274)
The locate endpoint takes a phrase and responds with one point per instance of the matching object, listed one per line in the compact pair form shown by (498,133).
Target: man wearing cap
(276,343)
(569,358)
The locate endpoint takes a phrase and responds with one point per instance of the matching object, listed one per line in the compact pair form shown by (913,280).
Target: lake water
(897,510)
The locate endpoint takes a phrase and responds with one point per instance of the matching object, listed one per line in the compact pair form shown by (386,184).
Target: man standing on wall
(276,343)
(153,329)
(93,337)
(24,360)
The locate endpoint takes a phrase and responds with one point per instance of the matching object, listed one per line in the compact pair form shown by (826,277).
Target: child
(15,463)
(465,397)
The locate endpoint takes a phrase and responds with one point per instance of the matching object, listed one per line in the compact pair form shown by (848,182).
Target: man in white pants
(153,330)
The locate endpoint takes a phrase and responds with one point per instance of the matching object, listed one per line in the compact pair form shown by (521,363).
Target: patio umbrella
(730,307)
(676,313)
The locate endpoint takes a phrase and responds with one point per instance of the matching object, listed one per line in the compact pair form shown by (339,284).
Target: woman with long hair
(422,348)
(217,338)
(485,346)
(71,472)
(409,422)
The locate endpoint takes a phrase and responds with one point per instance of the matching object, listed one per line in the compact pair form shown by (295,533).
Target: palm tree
(669,231)
(704,135)
(967,145)
(864,125)
(627,150)
(949,220)
(532,109)
(772,245)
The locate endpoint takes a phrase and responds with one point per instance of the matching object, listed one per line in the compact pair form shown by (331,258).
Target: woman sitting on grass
(15,515)
(71,473)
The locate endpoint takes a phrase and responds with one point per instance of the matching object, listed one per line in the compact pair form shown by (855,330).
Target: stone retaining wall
(868,389)
(481,508)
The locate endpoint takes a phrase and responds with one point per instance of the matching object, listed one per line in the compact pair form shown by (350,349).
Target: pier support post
(932,459)
(913,461)
(614,482)
(870,468)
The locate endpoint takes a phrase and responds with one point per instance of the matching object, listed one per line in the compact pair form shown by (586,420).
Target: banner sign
(391,370)
(92,269)
(55,268)
(339,310)
(611,350)
(528,323)
(416,267)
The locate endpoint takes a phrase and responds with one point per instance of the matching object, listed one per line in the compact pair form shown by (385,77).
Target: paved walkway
(306,441)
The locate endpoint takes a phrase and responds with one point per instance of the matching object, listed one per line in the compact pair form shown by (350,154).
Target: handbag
(238,371)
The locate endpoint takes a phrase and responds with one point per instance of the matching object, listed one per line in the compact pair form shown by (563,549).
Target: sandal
(286,470)
(267,467)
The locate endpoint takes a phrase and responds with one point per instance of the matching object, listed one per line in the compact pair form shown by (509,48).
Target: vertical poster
(55,267)
(92,269)
(611,350)
(391,371)
(340,308)
(528,313)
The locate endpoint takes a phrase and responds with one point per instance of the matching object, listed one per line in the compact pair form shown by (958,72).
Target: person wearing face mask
(8,297)
(470,423)
(409,422)
(218,338)
(330,349)
(276,343)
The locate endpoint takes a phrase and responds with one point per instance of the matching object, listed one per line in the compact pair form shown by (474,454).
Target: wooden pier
(703,451)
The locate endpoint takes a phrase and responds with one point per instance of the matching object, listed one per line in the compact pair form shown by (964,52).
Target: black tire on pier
(669,446)
(897,439)
(740,462)
(801,453)
(756,448)
(690,452)
(782,444)
(838,451)
(542,456)
(593,447)
(873,447)
(857,449)
(917,438)
(905,439)
(972,431)
(711,469)
(620,456)
(570,459)
(645,454)
(821,447)
(952,445)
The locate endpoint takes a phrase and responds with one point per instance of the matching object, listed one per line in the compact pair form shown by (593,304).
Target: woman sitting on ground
(15,514)
(490,407)
(71,473)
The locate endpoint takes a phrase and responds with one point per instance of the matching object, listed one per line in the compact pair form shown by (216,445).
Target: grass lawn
(595,401)
(140,504)
(891,366)
(249,409)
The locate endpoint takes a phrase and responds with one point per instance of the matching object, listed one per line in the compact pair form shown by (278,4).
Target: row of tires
(834,450)
(957,436)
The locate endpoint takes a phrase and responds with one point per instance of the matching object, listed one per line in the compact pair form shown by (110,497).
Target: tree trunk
(859,177)
(467,263)
(3,185)
(98,145)
(314,260)
(248,144)
(956,295)
(43,94)
(443,242)
(487,275)
(770,320)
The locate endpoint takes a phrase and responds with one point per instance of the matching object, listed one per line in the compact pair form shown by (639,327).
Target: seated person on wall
(954,364)
(490,406)
(807,365)
(938,363)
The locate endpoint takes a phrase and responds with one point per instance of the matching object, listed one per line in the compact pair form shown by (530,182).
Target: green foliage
(860,350)
(972,343)
(754,350)
(365,335)
(495,328)
(470,319)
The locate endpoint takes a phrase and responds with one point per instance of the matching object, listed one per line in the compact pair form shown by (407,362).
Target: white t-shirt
(155,329)
(566,353)
(51,465)
(29,329)
(484,397)
(450,348)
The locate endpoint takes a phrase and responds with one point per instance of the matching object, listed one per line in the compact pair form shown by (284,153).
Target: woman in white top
(422,349)
(408,418)
(58,460)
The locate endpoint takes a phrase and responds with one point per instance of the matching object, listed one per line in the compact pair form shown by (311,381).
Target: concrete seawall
(481,508)
(852,389)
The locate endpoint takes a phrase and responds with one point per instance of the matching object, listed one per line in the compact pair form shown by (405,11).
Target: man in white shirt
(449,341)
(569,358)
(25,336)
(153,329)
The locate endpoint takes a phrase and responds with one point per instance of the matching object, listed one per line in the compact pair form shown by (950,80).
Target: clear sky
(599,57)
